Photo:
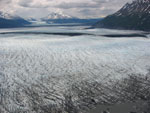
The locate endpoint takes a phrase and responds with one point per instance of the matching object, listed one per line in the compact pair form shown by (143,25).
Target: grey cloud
(95,13)
(101,1)
(29,4)
(5,2)
(85,8)
(77,5)
(25,3)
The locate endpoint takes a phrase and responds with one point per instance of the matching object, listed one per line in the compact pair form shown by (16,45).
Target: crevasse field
(54,69)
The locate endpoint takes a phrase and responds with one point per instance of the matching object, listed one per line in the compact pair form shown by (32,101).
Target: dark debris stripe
(73,34)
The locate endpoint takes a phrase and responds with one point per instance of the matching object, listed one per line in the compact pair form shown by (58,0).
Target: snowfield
(38,70)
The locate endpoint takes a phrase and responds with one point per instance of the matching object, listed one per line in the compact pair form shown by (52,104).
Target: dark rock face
(135,15)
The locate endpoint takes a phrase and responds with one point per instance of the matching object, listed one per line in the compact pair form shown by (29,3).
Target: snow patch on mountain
(134,15)
(137,6)
(8,16)
(57,15)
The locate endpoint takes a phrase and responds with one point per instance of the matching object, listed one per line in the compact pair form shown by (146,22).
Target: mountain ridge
(61,18)
(10,21)
(134,16)
(57,15)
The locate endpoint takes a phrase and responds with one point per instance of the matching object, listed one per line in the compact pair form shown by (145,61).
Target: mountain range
(134,16)
(57,15)
(61,18)
(11,21)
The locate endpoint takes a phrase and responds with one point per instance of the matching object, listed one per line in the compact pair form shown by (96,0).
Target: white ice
(60,61)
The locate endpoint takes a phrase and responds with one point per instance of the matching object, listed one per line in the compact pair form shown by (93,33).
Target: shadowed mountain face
(9,21)
(135,15)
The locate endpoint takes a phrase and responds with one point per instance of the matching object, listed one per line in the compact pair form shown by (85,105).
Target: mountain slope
(60,18)
(135,15)
(57,15)
(10,21)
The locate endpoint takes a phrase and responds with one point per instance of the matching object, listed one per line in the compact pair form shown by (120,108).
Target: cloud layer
(78,8)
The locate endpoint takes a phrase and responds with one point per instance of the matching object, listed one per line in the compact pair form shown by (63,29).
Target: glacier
(38,70)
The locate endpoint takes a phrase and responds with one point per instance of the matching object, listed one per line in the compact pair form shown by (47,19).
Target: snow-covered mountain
(8,21)
(7,15)
(57,15)
(136,7)
(61,18)
(134,15)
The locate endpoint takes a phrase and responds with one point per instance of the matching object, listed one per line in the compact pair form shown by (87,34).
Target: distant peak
(7,15)
(58,15)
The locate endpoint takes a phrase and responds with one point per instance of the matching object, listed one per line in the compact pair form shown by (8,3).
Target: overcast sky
(76,8)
